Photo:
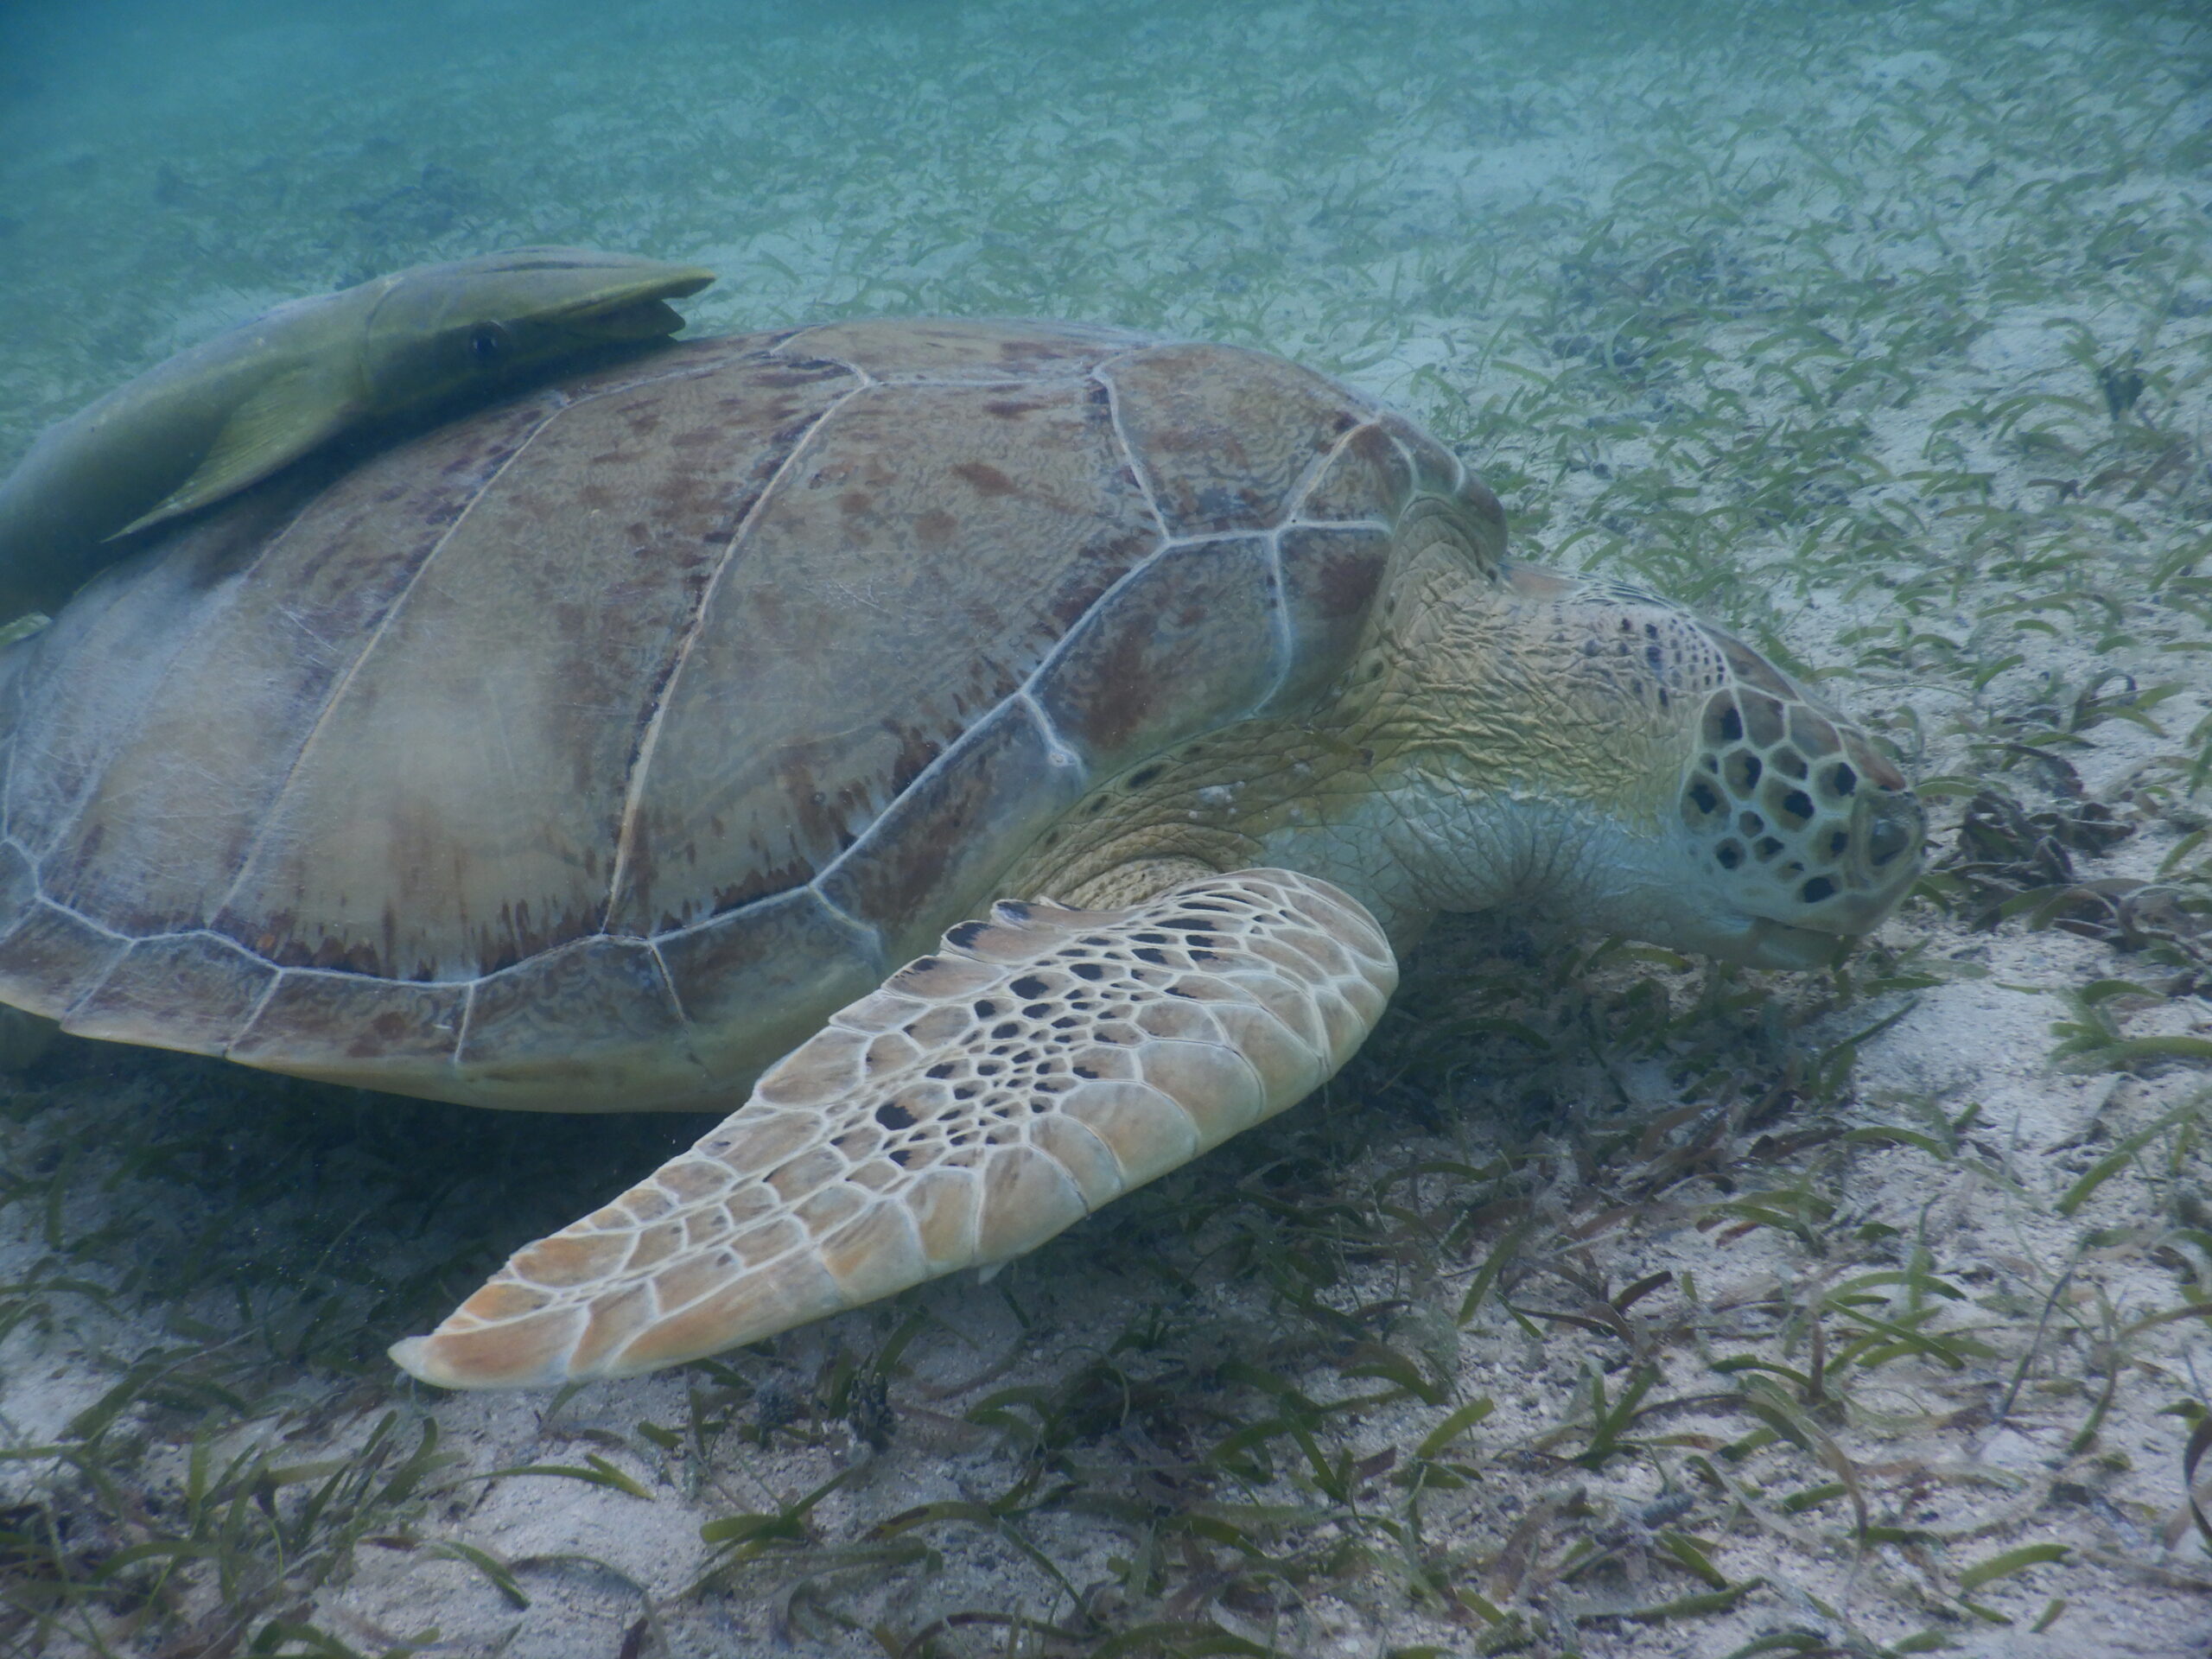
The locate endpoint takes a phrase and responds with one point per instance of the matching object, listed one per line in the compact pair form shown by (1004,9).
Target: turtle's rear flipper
(1045,1062)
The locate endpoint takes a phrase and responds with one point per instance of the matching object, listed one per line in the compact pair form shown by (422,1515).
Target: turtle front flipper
(983,1099)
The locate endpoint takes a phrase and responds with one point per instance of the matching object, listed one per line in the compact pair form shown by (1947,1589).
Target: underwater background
(1611,1303)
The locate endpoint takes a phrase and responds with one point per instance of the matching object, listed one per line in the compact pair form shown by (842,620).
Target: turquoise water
(1551,230)
(1883,332)
(1331,180)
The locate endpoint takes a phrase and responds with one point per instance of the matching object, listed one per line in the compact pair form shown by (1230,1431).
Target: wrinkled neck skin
(1523,755)
(1520,739)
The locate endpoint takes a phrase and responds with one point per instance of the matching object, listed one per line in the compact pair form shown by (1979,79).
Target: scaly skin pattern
(1516,736)
(988,1097)
(1230,921)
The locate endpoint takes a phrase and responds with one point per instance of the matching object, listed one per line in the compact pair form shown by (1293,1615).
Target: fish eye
(487,342)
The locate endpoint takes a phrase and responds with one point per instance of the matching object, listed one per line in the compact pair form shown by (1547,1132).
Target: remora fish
(226,414)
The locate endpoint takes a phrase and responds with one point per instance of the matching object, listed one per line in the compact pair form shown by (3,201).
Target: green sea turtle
(601,748)
(228,413)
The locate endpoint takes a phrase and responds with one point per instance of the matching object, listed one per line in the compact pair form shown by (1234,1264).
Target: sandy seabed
(1610,1303)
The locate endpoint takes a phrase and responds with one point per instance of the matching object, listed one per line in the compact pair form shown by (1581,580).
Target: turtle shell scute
(585,750)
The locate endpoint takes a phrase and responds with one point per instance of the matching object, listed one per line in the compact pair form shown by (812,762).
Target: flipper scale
(986,1097)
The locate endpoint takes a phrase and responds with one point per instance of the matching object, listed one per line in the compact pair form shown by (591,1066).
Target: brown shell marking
(917,562)
(644,721)
(340,1019)
(487,839)
(1225,452)
(1192,635)
(947,351)
(202,986)
(955,829)
(84,691)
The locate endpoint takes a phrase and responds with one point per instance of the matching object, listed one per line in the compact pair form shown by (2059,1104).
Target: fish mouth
(635,319)
(641,311)
(590,296)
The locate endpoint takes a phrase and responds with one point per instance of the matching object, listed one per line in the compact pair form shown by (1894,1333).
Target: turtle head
(1621,762)
(434,331)
(1792,817)
(1739,817)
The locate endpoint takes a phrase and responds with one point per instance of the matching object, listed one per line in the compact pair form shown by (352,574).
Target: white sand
(1630,267)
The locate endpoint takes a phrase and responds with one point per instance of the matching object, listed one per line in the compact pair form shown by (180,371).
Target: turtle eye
(487,343)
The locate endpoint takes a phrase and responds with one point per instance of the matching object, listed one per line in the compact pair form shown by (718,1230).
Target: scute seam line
(682,1013)
(1063,753)
(460,1026)
(93,990)
(260,1003)
(868,931)
(1413,465)
(853,368)
(641,758)
(958,748)
(1128,450)
(1171,542)
(1321,463)
(91,782)
(126,939)
(345,683)
(1279,604)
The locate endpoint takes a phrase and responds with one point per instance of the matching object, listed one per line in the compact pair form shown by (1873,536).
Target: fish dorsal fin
(283,419)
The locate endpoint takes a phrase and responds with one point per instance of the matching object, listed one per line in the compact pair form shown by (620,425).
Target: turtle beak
(1777,944)
(1762,942)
